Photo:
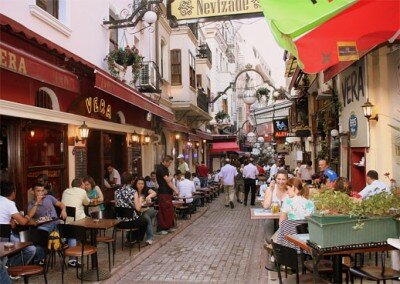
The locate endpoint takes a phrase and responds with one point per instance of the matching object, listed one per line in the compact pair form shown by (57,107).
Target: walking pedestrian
(250,173)
(227,177)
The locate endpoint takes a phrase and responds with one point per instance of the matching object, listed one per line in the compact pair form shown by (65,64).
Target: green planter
(331,231)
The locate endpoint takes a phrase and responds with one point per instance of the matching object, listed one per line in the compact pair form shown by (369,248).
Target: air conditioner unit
(147,77)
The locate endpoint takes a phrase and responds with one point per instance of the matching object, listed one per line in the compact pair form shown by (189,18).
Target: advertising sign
(281,128)
(195,9)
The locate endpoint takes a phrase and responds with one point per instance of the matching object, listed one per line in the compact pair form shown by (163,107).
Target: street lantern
(150,17)
(367,109)
(251,137)
(83,132)
(249,97)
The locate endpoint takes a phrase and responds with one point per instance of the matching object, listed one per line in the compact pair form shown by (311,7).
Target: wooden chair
(81,250)
(126,213)
(288,257)
(108,240)
(5,231)
(38,238)
(374,273)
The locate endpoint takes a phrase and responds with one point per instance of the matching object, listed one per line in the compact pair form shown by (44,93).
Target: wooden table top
(102,224)
(261,213)
(15,249)
(300,240)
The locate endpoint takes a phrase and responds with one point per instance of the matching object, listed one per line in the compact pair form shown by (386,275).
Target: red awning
(109,85)
(25,64)
(224,147)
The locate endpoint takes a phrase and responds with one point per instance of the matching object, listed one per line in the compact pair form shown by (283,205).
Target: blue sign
(353,125)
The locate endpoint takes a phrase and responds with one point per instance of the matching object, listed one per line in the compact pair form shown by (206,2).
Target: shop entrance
(105,148)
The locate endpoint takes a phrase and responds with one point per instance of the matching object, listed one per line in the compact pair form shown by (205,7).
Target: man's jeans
(26,255)
(149,214)
(71,243)
(4,278)
(203,181)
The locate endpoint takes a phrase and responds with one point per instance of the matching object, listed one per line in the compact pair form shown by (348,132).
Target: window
(113,33)
(199,81)
(50,6)
(176,74)
(43,100)
(192,70)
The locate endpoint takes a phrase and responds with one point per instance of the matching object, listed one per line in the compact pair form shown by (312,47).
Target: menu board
(80,161)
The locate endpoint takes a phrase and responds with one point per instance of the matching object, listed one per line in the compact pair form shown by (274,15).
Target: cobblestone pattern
(222,246)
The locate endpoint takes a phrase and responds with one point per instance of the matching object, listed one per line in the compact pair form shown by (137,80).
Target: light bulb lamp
(140,12)
(147,139)
(135,137)
(367,109)
(84,133)
(177,136)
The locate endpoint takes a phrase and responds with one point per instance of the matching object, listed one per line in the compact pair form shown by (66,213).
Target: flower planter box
(331,231)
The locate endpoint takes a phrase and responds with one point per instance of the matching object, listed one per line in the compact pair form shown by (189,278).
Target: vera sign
(195,9)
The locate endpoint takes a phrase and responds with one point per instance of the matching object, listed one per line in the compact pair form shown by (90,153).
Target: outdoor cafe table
(261,213)
(301,240)
(13,250)
(94,226)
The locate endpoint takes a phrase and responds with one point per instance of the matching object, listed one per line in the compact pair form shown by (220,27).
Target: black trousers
(250,185)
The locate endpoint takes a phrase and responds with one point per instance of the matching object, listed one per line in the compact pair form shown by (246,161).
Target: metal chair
(288,257)
(108,240)
(81,250)
(38,238)
(126,213)
(71,212)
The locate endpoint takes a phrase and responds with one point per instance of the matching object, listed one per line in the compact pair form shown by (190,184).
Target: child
(297,206)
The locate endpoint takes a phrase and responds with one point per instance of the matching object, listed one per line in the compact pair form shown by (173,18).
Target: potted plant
(342,220)
(221,117)
(261,92)
(123,58)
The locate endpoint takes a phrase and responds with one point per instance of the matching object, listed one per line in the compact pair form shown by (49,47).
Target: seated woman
(294,210)
(94,193)
(146,194)
(127,196)
(275,194)
(342,184)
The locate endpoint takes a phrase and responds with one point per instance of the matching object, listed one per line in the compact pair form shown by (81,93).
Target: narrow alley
(223,245)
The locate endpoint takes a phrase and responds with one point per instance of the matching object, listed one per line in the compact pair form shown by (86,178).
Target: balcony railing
(149,78)
(204,51)
(202,100)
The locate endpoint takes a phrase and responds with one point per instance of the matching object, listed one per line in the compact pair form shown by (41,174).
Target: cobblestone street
(223,245)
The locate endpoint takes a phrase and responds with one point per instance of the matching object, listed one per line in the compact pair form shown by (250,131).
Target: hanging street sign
(214,9)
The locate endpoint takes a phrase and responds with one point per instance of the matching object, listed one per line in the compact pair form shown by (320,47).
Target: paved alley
(223,245)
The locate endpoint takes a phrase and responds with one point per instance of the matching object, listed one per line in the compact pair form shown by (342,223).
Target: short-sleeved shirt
(298,207)
(202,171)
(374,188)
(115,175)
(228,173)
(183,167)
(125,197)
(7,209)
(250,171)
(46,208)
(186,188)
(76,197)
(163,187)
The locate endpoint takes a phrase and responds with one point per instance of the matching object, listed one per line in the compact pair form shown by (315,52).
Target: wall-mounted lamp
(135,137)
(147,139)
(334,133)
(197,144)
(367,109)
(84,133)
(32,132)
(177,136)
(204,141)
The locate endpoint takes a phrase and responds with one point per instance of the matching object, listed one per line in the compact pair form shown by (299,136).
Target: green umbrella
(289,19)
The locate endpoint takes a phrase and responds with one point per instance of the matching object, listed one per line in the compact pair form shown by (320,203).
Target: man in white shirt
(196,181)
(272,171)
(250,173)
(227,177)
(75,197)
(374,186)
(114,178)
(9,214)
(186,190)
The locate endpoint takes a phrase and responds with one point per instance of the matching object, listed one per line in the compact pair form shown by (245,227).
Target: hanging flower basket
(261,92)
(221,116)
(124,57)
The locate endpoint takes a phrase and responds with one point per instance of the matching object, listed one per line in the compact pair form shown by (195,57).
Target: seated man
(374,186)
(42,179)
(43,206)
(186,189)
(9,215)
(196,181)
(75,197)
